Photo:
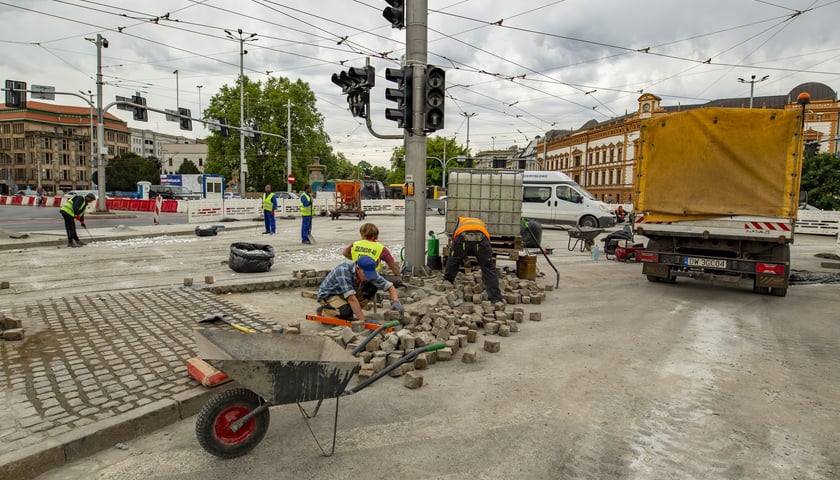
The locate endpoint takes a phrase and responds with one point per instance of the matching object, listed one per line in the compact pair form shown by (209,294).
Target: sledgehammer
(223,318)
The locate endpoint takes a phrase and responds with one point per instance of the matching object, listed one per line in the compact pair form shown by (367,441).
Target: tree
(124,171)
(821,179)
(266,108)
(188,167)
(434,168)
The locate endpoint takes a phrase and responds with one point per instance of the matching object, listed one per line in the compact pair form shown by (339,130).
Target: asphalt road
(32,219)
(622,378)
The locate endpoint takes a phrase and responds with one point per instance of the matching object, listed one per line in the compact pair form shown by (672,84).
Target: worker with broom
(74,209)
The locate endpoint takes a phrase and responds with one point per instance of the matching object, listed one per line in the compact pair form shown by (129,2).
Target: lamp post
(177,89)
(443,165)
(91,135)
(242,167)
(752,83)
(100,42)
(200,115)
(468,116)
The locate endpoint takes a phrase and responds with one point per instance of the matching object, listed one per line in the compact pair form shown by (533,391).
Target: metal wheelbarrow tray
(585,236)
(274,369)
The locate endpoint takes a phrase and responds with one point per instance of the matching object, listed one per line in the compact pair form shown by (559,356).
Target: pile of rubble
(438,312)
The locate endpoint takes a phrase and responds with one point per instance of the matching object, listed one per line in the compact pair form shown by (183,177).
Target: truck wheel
(778,291)
(653,279)
(759,290)
(213,426)
(589,221)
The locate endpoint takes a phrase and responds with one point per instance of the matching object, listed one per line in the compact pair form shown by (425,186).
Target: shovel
(222,318)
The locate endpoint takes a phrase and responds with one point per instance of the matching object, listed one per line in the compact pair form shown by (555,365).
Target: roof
(61,114)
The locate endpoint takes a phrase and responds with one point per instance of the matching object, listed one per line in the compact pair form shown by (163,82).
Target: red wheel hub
(222,426)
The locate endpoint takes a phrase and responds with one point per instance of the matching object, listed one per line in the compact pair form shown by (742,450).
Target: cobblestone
(125,351)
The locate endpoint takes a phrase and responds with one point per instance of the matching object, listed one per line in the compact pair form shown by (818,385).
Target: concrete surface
(660,381)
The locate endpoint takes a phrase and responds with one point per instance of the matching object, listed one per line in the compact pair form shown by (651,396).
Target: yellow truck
(717,191)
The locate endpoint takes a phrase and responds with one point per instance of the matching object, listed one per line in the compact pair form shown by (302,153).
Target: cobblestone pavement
(93,357)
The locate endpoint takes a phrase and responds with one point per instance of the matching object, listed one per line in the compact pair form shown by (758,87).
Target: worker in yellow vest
(307,209)
(74,209)
(370,246)
(269,205)
(471,238)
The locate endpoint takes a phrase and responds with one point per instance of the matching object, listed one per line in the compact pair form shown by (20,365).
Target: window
(170,162)
(536,194)
(577,160)
(17,128)
(612,155)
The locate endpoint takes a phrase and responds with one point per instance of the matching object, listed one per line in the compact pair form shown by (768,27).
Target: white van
(553,197)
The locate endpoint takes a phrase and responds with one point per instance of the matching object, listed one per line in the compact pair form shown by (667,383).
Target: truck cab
(554,198)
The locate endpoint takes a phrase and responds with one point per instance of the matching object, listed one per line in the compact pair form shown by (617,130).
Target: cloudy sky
(515,69)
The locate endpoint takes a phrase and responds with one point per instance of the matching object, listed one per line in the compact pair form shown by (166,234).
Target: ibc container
(494,196)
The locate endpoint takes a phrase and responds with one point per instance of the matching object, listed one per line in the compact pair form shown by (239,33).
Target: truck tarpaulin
(755,170)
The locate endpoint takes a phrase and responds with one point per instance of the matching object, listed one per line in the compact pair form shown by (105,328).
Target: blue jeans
(305,228)
(270,225)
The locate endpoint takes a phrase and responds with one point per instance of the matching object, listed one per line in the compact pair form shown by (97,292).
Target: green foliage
(123,172)
(821,179)
(266,107)
(435,147)
(188,167)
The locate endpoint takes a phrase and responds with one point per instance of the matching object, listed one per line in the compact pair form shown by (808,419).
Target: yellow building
(50,146)
(601,155)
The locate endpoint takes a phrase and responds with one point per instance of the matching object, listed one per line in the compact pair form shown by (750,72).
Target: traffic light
(811,149)
(223,128)
(15,99)
(186,123)
(140,113)
(356,84)
(402,95)
(256,135)
(395,13)
(435,94)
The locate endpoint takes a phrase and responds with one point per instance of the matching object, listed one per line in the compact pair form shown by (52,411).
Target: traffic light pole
(416,41)
(101,205)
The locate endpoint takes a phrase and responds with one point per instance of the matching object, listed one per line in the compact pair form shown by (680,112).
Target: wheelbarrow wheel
(213,426)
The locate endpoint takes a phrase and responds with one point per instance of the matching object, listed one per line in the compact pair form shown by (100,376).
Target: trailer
(717,193)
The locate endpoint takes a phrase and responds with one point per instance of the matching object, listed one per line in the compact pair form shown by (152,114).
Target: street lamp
(101,42)
(200,115)
(443,165)
(468,116)
(91,135)
(242,167)
(177,89)
(752,83)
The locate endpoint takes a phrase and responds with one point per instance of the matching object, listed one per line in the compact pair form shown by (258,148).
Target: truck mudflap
(659,266)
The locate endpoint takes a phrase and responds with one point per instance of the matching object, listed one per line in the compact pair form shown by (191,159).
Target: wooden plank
(342,322)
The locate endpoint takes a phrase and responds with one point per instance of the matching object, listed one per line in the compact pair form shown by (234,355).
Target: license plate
(705,262)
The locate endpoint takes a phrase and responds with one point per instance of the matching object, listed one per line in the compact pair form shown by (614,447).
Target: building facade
(601,156)
(150,144)
(51,146)
(175,154)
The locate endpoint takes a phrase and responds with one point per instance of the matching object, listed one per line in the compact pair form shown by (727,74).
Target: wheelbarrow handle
(408,358)
(361,346)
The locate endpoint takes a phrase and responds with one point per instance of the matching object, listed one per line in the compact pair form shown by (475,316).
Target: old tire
(206,230)
(589,221)
(212,428)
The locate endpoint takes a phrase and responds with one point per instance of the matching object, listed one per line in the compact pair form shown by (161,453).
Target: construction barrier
(818,222)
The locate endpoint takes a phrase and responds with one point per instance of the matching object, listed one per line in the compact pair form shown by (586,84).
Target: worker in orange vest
(471,238)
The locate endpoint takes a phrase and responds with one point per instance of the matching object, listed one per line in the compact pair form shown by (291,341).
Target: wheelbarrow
(274,370)
(583,236)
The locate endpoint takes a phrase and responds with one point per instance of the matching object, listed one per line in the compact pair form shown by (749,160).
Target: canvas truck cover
(716,162)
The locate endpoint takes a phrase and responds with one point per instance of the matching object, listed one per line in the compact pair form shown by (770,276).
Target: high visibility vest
(368,249)
(267,203)
(304,210)
(67,206)
(469,224)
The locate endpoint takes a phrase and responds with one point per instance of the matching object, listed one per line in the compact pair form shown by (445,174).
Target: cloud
(522,67)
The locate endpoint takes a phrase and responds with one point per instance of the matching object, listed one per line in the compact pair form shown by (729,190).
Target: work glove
(83,225)
(272,213)
(396,305)
(79,218)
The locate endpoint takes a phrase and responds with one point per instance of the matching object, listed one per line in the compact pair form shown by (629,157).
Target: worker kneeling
(471,238)
(349,287)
